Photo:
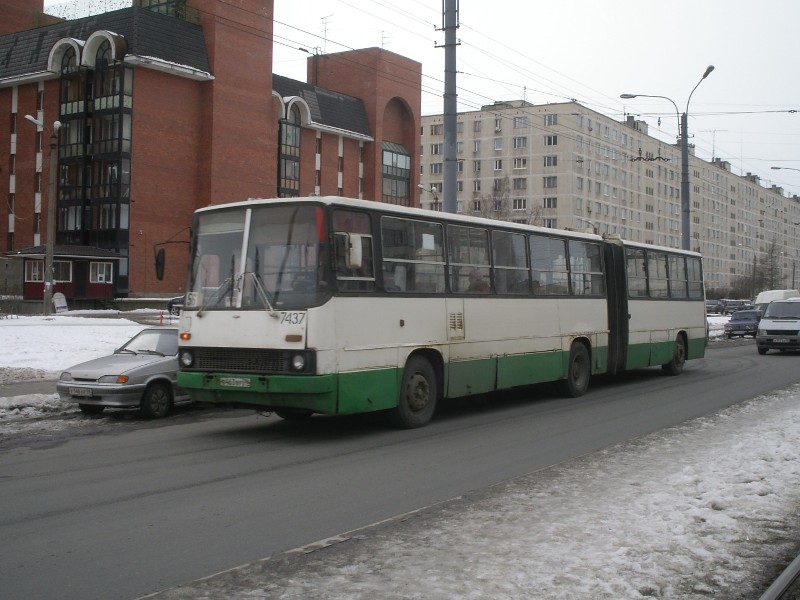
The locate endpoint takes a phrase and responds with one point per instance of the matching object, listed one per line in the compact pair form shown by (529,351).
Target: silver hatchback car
(141,374)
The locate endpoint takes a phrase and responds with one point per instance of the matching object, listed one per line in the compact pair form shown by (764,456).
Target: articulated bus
(338,306)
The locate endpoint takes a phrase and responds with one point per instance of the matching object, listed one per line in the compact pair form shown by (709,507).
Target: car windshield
(153,341)
(783,310)
(745,315)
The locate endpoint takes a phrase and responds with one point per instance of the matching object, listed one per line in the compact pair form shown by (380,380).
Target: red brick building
(169,106)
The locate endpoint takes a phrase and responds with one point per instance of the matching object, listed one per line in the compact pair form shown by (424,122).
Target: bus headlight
(298,363)
(186,358)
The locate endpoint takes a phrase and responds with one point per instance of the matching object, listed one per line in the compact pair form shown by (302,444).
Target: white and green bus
(337,306)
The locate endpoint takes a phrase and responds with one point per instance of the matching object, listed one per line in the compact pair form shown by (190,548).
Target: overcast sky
(591,51)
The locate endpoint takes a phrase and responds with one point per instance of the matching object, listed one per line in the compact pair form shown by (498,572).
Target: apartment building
(565,166)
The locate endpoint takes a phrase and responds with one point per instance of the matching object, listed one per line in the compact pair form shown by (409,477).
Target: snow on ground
(702,510)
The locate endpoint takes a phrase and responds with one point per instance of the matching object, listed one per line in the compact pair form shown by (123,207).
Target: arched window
(290,154)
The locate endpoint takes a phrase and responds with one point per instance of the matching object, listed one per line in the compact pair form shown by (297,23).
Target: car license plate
(234,382)
(77,391)
(780,340)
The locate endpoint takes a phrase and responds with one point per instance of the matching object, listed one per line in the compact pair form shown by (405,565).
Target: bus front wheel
(579,371)
(675,366)
(418,394)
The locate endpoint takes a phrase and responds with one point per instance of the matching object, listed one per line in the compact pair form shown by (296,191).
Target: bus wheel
(294,414)
(675,366)
(579,372)
(418,394)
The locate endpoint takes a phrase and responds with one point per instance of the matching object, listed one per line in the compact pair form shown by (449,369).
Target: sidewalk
(8,390)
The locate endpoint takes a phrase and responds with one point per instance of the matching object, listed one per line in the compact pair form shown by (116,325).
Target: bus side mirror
(353,258)
(160,259)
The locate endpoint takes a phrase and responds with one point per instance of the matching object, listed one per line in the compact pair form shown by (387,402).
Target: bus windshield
(259,258)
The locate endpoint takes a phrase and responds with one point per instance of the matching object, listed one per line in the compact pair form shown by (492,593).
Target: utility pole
(450,24)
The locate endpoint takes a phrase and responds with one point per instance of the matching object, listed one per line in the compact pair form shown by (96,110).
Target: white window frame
(95,276)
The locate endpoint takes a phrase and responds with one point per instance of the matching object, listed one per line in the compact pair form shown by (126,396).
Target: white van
(779,327)
(768,296)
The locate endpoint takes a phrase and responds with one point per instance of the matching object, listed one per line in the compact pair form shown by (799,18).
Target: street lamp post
(684,141)
(51,213)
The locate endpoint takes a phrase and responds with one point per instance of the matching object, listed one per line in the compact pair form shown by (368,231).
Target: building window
(396,174)
(289,184)
(436,168)
(476,166)
(498,124)
(476,146)
(551,161)
(550,223)
(520,122)
(437,129)
(550,203)
(519,183)
(520,163)
(551,181)
(100,272)
(498,164)
(551,119)
(520,142)
(436,148)
(520,203)
(551,140)
(498,143)
(476,126)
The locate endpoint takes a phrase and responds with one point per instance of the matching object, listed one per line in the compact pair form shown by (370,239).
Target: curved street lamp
(684,140)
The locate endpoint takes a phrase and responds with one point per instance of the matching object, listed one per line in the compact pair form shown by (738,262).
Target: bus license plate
(83,392)
(234,382)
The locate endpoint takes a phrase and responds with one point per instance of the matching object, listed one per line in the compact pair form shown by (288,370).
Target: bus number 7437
(292,318)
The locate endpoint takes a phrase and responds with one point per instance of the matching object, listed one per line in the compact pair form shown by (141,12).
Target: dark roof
(146,33)
(65,252)
(330,108)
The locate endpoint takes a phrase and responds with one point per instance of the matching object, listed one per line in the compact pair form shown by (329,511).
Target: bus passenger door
(617,298)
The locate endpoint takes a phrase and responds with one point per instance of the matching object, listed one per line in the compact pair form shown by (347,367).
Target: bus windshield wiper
(218,294)
(258,284)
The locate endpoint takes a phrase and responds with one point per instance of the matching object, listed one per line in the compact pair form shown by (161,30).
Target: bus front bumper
(263,392)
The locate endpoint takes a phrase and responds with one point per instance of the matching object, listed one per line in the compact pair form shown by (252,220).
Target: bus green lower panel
(659,353)
(313,392)
(363,391)
(471,377)
(526,369)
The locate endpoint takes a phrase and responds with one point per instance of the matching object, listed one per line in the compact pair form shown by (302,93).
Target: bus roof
(430,214)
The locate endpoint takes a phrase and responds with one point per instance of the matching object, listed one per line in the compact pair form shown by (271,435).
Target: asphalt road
(135,507)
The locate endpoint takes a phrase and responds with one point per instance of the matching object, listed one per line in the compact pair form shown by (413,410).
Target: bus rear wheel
(579,372)
(418,394)
(675,366)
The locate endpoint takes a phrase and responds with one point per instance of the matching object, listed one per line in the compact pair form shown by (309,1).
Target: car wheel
(675,366)
(91,409)
(579,372)
(418,395)
(762,350)
(156,401)
(294,414)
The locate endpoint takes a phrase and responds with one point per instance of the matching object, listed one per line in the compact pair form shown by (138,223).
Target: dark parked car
(742,323)
(731,306)
(175,305)
(713,307)
(141,374)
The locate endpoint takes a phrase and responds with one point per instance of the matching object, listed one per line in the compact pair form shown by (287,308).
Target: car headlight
(66,376)
(113,379)
(298,362)
(186,358)
(761,332)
